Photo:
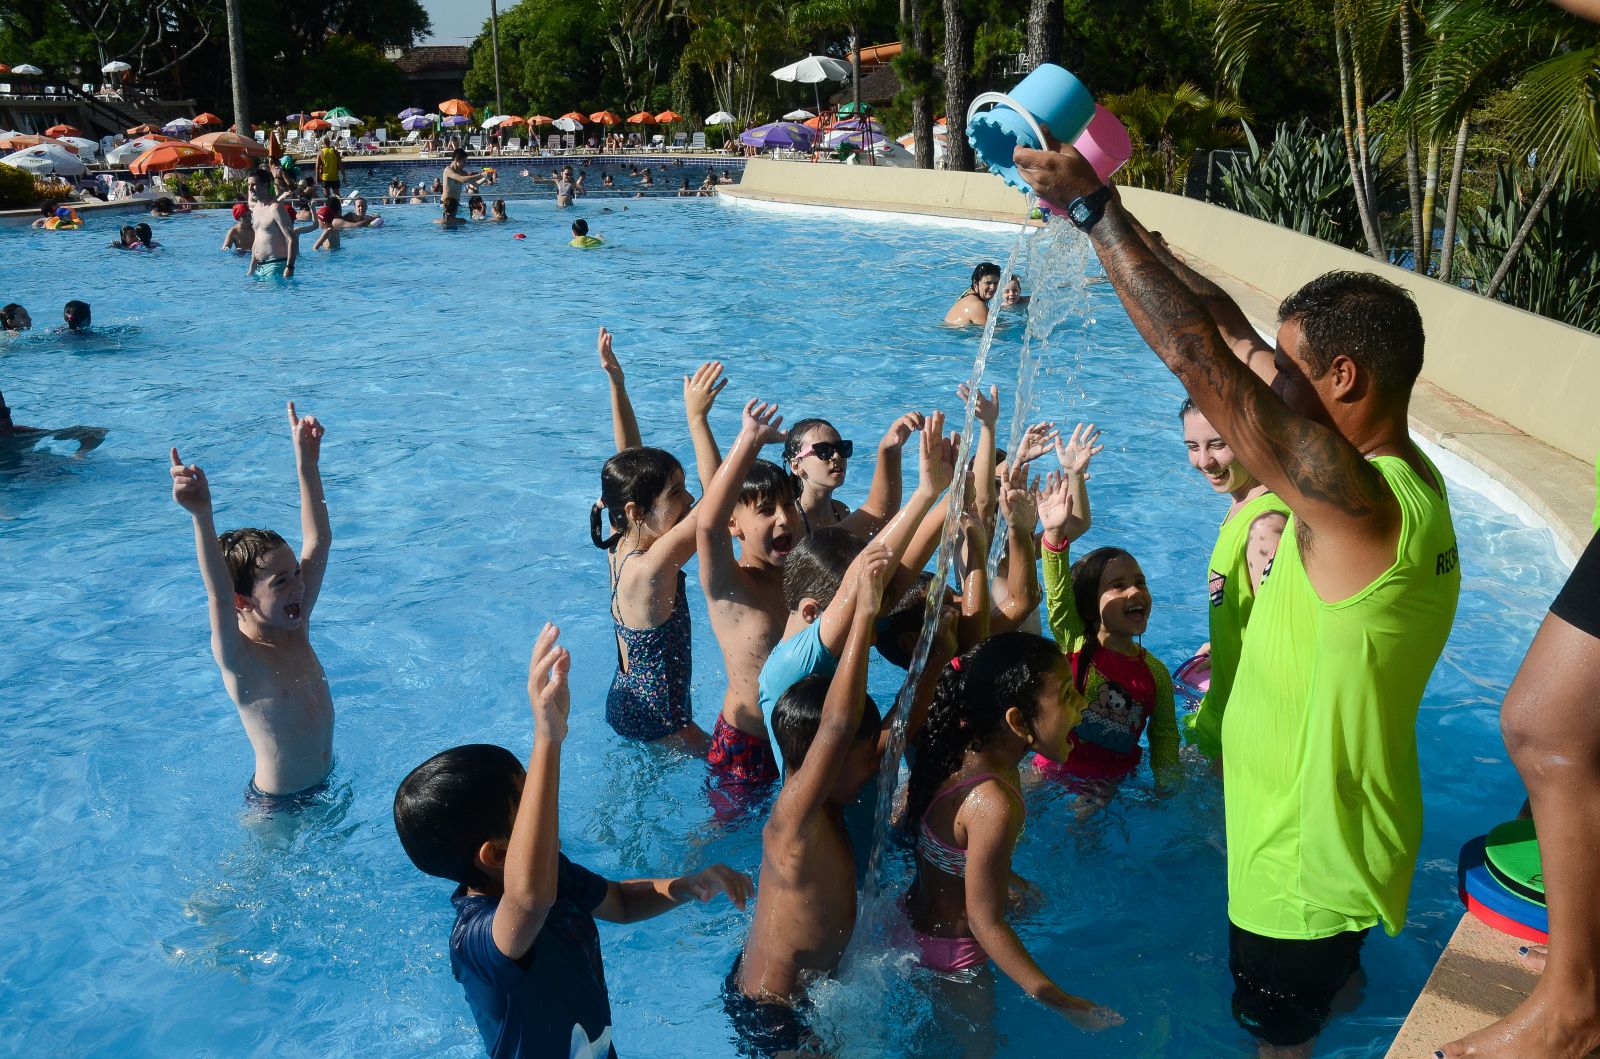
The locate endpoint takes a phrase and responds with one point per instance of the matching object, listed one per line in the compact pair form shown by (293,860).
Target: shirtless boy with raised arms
(259,598)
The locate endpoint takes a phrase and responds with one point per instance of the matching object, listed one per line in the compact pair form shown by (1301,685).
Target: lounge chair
(553,144)
(475,145)
(698,143)
(569,142)
(411,139)
(513,145)
(680,140)
(658,142)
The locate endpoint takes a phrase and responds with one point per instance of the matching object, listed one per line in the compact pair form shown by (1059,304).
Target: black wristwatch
(1085,210)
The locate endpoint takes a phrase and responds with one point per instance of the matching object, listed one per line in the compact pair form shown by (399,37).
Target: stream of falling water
(852,1006)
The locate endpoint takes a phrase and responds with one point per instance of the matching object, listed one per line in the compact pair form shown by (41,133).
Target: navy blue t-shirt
(552,1003)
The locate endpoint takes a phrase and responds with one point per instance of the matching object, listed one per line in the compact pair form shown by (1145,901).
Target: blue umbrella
(411,112)
(417,121)
(296,118)
(458,119)
(777,134)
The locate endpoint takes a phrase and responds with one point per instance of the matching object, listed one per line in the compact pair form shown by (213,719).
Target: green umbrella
(337,112)
(850,108)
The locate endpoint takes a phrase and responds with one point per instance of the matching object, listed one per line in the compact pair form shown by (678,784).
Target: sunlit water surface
(466,425)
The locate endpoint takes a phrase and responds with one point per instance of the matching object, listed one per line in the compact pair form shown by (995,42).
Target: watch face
(1080,211)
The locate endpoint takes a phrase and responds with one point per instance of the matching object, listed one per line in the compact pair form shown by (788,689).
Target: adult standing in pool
(1324,799)
(275,245)
(973,305)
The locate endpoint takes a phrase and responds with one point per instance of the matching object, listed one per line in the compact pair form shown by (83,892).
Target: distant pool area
(467,423)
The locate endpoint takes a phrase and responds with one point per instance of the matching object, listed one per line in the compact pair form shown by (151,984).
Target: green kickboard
(1512,854)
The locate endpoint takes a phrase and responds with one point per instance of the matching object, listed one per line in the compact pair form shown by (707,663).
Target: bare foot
(1540,1026)
(1534,956)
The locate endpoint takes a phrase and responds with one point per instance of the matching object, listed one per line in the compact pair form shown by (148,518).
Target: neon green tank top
(1324,800)
(1232,599)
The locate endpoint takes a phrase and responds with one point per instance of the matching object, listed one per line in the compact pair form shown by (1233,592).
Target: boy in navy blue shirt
(524,946)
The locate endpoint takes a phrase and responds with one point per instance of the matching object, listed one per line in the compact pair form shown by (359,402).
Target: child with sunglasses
(818,459)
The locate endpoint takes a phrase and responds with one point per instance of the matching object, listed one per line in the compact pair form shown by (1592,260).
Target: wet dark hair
(243,550)
(79,313)
(580,227)
(633,476)
(1364,317)
(127,231)
(902,619)
(1187,408)
(475,202)
(987,268)
(970,704)
(143,231)
(764,482)
(450,805)
(449,204)
(798,715)
(794,441)
(8,316)
(1086,574)
(817,565)
(458,155)
(163,205)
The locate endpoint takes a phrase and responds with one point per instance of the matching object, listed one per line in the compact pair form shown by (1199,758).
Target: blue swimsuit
(650,700)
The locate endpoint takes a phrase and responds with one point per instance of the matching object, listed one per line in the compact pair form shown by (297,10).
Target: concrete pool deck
(1504,405)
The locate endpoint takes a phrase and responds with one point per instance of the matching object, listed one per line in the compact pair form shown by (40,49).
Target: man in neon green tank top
(1324,805)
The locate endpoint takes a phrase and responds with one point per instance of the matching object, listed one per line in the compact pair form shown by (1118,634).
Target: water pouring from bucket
(1049,104)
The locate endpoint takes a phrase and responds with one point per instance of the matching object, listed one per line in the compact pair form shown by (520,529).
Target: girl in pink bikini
(1011,695)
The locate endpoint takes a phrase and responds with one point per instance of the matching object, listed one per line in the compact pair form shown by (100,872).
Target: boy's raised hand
(189,487)
(1018,503)
(707,883)
(1039,439)
(1083,446)
(608,360)
(900,430)
(871,577)
(700,389)
(307,432)
(987,409)
(762,422)
(548,693)
(937,466)
(1055,505)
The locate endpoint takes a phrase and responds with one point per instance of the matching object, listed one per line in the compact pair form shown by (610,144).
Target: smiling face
(278,591)
(1124,599)
(987,286)
(1060,708)
(829,473)
(766,530)
(668,509)
(1211,456)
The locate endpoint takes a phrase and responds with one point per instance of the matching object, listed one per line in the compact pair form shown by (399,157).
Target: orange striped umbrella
(233,149)
(540,119)
(575,116)
(62,130)
(667,117)
(207,118)
(605,117)
(316,125)
(644,117)
(457,106)
(167,156)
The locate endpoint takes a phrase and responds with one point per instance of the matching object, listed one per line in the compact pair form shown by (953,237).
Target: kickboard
(1504,925)
(1192,680)
(1511,853)
(1475,882)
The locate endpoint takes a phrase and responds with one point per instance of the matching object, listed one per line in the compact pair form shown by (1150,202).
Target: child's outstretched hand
(871,577)
(189,487)
(608,360)
(547,686)
(707,883)
(762,422)
(1017,502)
(900,430)
(987,409)
(307,433)
(1037,440)
(1084,1014)
(700,389)
(1083,446)
(937,465)
(1055,506)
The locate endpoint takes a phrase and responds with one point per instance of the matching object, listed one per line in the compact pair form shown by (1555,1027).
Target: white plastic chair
(698,143)
(658,142)
(680,140)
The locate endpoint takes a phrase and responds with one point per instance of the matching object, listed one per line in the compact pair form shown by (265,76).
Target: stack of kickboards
(1501,883)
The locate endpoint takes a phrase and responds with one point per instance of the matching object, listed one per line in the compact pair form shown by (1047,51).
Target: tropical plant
(1558,273)
(17,190)
(1169,127)
(1301,182)
(733,41)
(212,185)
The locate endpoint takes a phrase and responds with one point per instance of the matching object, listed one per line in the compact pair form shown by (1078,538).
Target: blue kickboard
(1472,875)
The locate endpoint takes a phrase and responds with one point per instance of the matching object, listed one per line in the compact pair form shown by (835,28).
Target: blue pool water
(467,421)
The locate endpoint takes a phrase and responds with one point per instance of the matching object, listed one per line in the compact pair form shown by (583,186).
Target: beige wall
(1539,376)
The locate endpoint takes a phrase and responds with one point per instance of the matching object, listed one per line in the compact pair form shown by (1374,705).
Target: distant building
(434,73)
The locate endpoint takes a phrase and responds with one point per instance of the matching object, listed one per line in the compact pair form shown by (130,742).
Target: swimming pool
(467,422)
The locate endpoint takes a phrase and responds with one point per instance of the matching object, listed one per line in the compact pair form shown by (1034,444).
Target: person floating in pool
(14,319)
(581,237)
(75,315)
(242,235)
(127,239)
(650,513)
(260,599)
(1011,696)
(357,216)
(1325,699)
(146,237)
(524,944)
(57,218)
(448,217)
(276,245)
(1012,295)
(14,436)
(973,305)
(806,910)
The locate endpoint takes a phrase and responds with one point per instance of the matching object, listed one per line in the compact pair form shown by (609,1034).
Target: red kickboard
(1502,924)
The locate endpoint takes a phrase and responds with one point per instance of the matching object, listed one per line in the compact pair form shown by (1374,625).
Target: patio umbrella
(18,140)
(850,108)
(142,130)
(28,70)
(497,120)
(457,107)
(411,112)
(813,70)
(315,125)
(62,130)
(777,134)
(337,112)
(344,121)
(566,124)
(856,124)
(667,117)
(644,117)
(858,139)
(319,113)
(4,69)
(86,148)
(115,66)
(540,119)
(208,118)
(721,117)
(417,121)
(234,150)
(177,125)
(798,115)
(605,117)
(124,153)
(297,118)
(165,156)
(46,160)
(456,121)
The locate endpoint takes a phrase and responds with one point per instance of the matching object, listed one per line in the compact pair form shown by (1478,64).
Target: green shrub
(16,189)
(211,185)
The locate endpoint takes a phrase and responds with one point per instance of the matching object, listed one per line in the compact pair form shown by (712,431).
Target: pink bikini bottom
(950,955)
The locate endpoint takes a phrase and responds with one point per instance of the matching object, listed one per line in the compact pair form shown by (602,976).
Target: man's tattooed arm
(1322,477)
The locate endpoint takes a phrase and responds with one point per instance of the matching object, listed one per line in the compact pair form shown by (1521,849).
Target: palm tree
(1176,124)
(848,15)
(914,66)
(241,95)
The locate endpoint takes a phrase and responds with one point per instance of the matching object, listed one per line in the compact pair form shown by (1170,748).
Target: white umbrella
(567,124)
(798,115)
(86,148)
(495,121)
(721,117)
(116,66)
(46,159)
(127,152)
(344,121)
(813,70)
(181,123)
(27,68)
